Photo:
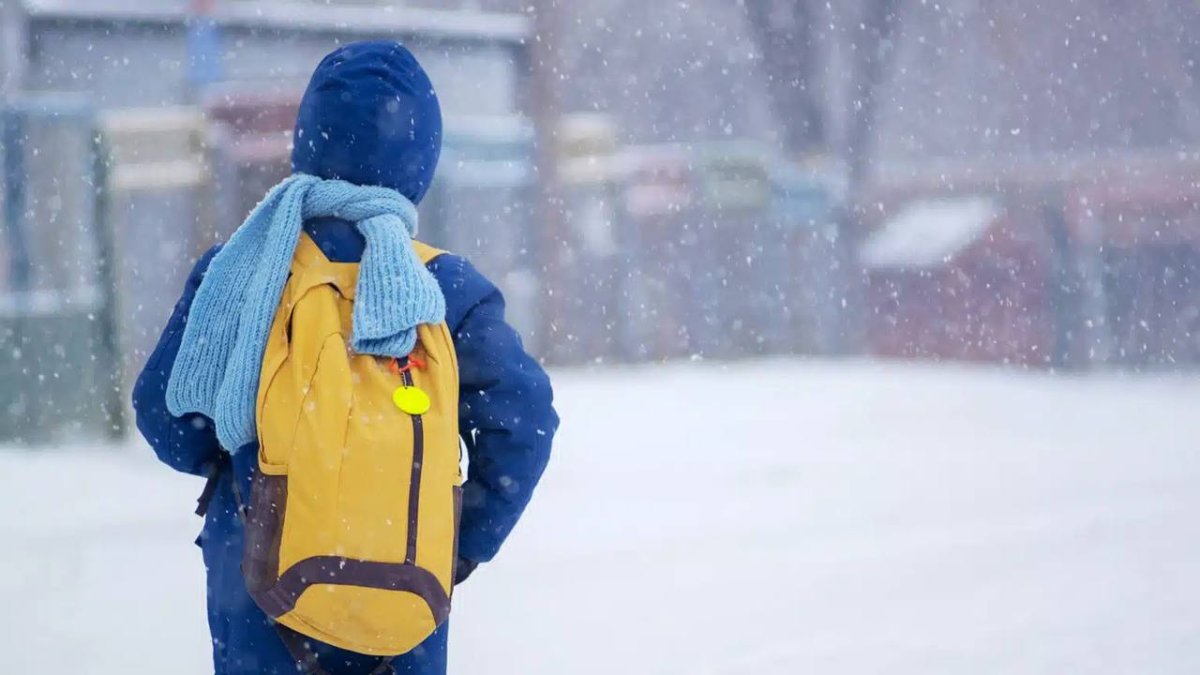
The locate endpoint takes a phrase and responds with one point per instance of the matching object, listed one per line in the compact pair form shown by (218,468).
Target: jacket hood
(370,116)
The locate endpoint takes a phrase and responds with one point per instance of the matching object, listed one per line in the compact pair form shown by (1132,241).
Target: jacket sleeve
(187,443)
(506,413)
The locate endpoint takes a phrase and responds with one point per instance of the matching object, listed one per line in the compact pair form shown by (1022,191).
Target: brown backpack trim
(282,597)
(264,531)
(307,661)
(277,593)
(458,504)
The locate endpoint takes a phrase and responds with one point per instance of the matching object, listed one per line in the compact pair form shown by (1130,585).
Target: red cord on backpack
(409,363)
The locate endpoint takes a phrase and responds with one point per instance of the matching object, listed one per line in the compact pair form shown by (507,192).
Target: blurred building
(127,53)
(1144,233)
(1109,258)
(960,278)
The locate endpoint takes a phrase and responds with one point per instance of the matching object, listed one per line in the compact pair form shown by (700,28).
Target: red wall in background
(989,303)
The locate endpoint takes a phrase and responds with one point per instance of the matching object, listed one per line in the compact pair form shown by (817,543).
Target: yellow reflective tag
(411,400)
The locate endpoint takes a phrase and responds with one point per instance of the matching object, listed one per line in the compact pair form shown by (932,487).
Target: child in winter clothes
(369,117)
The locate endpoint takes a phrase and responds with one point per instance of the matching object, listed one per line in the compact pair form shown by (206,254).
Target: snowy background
(767,518)
(875,324)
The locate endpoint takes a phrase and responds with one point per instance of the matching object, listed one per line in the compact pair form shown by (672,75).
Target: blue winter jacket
(507,423)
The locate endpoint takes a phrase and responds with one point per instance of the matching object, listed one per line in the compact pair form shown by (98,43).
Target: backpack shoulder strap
(426,252)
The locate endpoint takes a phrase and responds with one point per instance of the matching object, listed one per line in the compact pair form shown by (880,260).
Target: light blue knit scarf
(217,370)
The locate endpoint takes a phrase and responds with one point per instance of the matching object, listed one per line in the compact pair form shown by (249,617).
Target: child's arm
(187,443)
(506,416)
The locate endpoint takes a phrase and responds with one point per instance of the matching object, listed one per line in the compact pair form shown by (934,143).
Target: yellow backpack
(352,521)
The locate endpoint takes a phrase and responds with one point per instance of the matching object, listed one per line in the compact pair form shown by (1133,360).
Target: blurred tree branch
(785,31)
(872,47)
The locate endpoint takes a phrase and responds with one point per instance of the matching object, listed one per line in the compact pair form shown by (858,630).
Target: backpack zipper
(414,493)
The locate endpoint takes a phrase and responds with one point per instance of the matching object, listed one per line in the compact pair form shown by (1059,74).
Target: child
(366,144)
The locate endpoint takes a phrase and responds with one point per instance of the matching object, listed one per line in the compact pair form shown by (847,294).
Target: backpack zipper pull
(411,361)
(408,397)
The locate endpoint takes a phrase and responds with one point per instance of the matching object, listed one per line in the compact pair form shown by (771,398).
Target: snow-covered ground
(764,519)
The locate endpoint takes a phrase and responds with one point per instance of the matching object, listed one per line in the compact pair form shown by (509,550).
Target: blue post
(204,52)
(13,136)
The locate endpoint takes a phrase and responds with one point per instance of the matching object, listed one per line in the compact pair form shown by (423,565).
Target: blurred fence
(713,250)
(1138,243)
(717,250)
(1079,262)
(158,192)
(59,359)
(481,207)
